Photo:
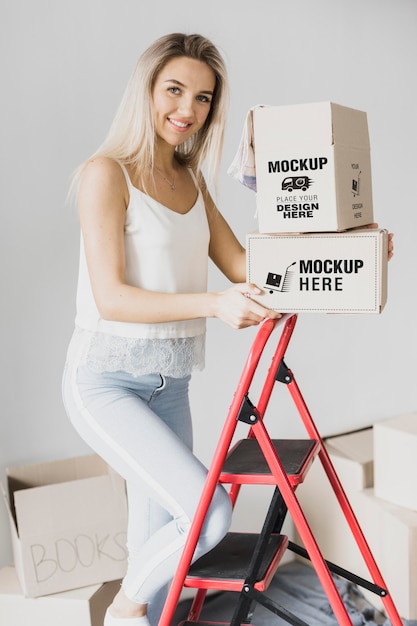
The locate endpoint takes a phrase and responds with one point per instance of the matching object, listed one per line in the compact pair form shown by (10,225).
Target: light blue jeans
(142,428)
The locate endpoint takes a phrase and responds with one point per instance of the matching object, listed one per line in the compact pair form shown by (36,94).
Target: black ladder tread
(246,459)
(228,563)
(203,623)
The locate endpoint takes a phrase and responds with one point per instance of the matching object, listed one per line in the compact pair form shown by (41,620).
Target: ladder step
(246,463)
(226,566)
(200,623)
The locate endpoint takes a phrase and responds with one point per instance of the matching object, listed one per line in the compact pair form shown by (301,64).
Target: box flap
(295,125)
(318,123)
(81,503)
(349,127)
(54,472)
(10,509)
(16,543)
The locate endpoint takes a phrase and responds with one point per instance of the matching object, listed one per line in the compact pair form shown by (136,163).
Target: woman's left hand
(390,245)
(390,241)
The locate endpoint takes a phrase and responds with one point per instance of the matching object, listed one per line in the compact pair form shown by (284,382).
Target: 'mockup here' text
(331,267)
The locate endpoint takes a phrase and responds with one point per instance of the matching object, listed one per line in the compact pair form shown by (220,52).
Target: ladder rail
(344,503)
(324,457)
(301,523)
(258,431)
(214,471)
(277,358)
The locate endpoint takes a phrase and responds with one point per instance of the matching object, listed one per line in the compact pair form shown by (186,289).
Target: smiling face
(181,98)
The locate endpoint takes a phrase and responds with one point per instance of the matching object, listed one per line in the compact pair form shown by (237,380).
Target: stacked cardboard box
(396,460)
(313,168)
(314,252)
(68,521)
(313,180)
(78,607)
(389,528)
(320,272)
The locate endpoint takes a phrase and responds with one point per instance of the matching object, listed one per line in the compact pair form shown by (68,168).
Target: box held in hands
(313,168)
(320,272)
(68,523)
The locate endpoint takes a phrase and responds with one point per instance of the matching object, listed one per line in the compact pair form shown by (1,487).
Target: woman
(148,227)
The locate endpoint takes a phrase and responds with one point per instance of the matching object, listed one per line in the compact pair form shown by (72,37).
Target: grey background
(64,66)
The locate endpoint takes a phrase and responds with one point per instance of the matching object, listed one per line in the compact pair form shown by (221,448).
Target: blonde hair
(132,133)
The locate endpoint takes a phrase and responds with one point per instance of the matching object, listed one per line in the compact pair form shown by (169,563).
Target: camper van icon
(296,182)
(279,282)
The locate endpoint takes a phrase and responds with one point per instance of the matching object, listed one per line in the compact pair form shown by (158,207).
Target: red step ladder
(246,562)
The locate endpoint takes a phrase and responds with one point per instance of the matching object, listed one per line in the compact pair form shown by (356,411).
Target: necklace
(172,185)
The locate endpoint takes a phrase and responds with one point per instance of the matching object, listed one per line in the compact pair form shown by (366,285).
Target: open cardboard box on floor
(320,272)
(79,607)
(313,168)
(68,523)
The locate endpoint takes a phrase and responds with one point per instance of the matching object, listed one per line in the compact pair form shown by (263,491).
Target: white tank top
(166,252)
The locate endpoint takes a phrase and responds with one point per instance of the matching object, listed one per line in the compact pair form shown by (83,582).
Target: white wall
(64,66)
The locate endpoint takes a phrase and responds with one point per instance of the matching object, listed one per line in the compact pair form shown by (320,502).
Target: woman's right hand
(236,308)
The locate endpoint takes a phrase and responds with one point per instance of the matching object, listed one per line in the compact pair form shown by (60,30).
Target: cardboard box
(390,531)
(68,523)
(395,442)
(313,168)
(352,454)
(320,273)
(352,459)
(80,607)
(394,548)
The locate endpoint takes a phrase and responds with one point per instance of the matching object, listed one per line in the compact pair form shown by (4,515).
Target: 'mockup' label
(327,274)
(296,165)
(296,206)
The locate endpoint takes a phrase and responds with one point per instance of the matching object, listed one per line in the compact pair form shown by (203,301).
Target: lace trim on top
(103,352)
